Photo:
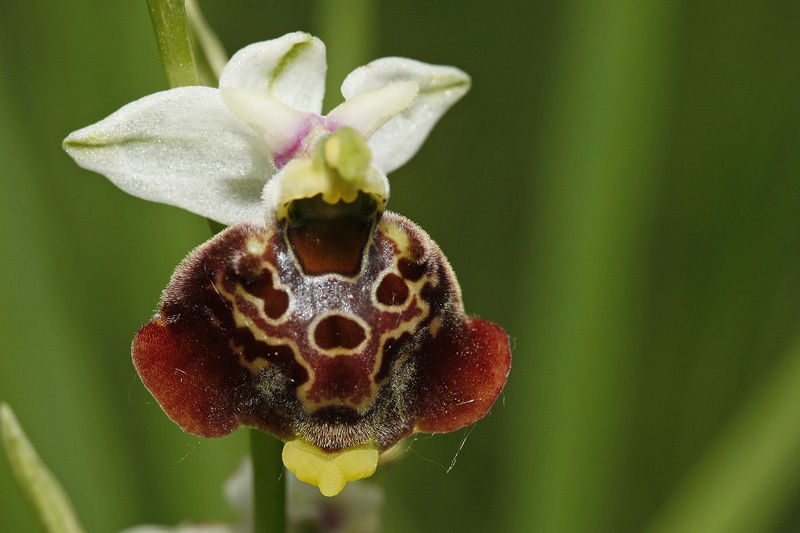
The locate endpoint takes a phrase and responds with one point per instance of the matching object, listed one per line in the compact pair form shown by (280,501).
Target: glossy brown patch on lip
(410,270)
(331,239)
(323,247)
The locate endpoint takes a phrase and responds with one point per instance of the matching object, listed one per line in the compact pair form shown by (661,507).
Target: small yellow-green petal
(283,128)
(368,111)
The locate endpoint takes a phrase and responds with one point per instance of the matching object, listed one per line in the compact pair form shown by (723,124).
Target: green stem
(174,44)
(269,485)
(209,54)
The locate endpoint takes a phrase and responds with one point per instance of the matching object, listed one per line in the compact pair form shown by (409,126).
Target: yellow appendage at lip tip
(329,471)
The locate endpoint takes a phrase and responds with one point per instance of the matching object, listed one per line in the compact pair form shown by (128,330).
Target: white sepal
(181,147)
(291,69)
(399,139)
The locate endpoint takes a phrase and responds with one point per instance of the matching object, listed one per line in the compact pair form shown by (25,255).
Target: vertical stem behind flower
(269,485)
(174,44)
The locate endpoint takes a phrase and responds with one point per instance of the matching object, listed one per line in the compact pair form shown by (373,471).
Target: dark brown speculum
(337,325)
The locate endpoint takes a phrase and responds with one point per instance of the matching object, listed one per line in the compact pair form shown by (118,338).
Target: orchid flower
(317,316)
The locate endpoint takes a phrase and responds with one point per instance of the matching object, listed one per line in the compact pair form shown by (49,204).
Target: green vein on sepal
(290,57)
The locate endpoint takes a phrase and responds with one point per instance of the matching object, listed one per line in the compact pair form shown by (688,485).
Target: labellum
(338,326)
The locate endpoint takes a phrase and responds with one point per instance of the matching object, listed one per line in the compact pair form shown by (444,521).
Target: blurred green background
(620,190)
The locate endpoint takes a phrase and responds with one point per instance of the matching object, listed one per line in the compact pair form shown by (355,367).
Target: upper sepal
(290,69)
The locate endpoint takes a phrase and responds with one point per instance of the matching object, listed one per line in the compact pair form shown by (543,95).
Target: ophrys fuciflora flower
(317,316)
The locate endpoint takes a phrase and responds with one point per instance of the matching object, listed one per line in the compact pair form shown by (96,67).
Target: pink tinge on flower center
(333,125)
(281,158)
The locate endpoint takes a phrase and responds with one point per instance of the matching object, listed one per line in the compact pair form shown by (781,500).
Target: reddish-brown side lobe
(255,330)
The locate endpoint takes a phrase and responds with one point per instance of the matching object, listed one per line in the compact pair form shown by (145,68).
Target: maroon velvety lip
(262,326)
